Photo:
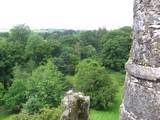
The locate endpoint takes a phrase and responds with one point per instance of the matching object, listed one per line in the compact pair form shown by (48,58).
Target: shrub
(1,93)
(33,105)
(50,114)
(16,96)
(93,80)
(24,116)
(44,114)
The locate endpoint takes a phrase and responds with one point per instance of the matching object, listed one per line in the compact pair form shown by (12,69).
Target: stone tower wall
(142,84)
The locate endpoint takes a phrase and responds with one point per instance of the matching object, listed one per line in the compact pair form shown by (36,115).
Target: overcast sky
(68,14)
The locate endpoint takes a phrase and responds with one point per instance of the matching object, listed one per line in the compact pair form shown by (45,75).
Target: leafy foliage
(50,114)
(37,48)
(116,47)
(67,60)
(47,84)
(20,33)
(31,80)
(44,114)
(89,38)
(16,96)
(88,51)
(23,116)
(2,90)
(10,54)
(93,80)
(33,105)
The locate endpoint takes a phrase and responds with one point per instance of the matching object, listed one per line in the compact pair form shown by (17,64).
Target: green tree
(55,47)
(4,34)
(20,33)
(89,38)
(88,51)
(100,32)
(37,48)
(93,80)
(68,60)
(10,54)
(2,90)
(69,40)
(19,72)
(116,47)
(47,83)
(16,96)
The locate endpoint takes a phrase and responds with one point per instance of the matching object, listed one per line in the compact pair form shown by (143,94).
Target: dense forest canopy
(39,67)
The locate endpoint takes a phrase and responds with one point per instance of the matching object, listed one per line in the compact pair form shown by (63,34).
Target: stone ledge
(143,72)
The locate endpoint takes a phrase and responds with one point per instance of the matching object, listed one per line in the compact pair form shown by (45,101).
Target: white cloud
(70,14)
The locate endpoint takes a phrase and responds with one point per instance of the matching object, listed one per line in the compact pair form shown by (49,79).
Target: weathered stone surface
(141,100)
(143,72)
(146,44)
(76,106)
(142,83)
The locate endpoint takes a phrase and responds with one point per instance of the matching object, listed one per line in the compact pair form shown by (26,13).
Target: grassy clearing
(113,112)
(4,115)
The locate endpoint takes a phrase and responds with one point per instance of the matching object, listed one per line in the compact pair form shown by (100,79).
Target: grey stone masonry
(142,83)
(76,106)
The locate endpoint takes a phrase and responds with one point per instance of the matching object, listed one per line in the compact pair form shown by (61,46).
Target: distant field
(110,114)
(113,112)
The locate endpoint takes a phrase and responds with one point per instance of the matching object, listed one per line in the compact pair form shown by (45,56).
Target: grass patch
(4,115)
(113,112)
